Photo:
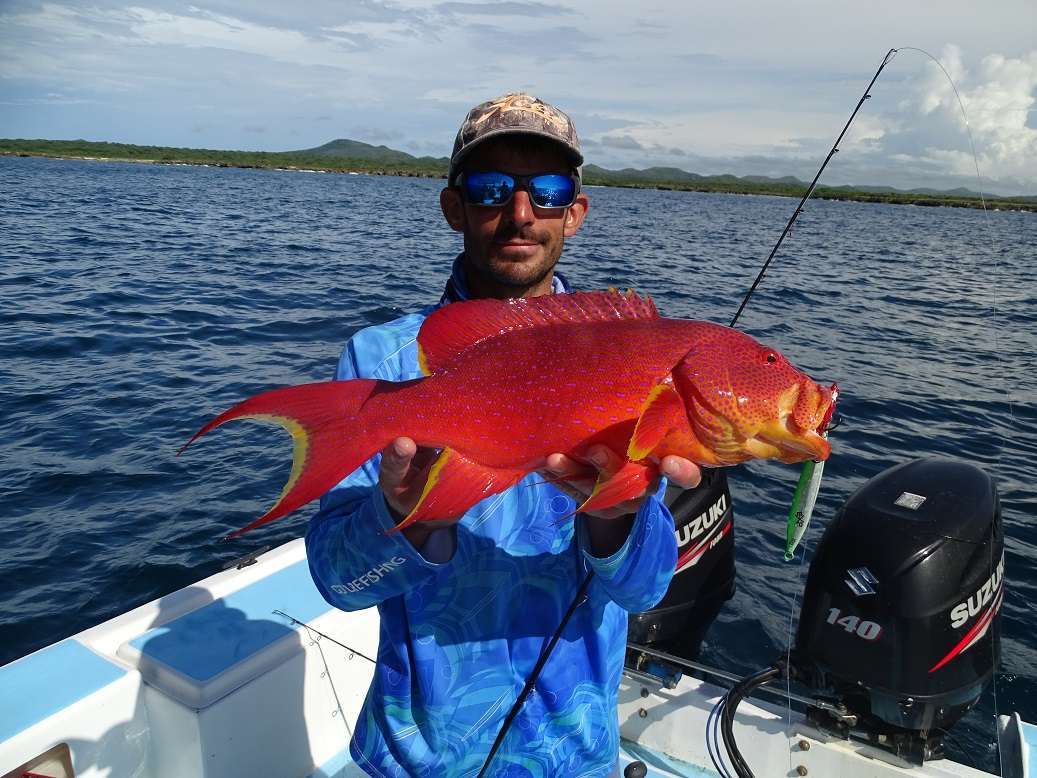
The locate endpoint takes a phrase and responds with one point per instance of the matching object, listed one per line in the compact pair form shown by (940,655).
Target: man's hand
(580,478)
(402,475)
(608,529)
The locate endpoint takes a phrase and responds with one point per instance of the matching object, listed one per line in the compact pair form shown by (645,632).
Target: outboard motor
(901,615)
(704,577)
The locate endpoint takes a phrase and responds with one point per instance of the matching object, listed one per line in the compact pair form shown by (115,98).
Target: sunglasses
(493,188)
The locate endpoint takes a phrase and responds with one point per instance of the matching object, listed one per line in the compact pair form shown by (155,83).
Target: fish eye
(772,357)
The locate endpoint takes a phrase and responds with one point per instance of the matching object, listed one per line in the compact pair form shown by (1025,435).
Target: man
(467,605)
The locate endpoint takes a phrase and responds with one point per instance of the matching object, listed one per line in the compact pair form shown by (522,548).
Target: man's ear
(453,208)
(575,214)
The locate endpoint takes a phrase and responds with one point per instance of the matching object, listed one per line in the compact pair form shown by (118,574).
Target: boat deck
(231,677)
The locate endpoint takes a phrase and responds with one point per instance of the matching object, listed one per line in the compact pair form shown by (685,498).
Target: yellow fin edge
(433,479)
(300,446)
(635,452)
(423,365)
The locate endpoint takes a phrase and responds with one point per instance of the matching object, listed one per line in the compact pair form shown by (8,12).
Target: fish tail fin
(331,435)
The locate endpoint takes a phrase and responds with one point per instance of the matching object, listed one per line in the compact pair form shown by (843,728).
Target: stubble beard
(518,276)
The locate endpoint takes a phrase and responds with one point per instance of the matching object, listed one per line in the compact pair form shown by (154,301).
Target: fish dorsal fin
(456,327)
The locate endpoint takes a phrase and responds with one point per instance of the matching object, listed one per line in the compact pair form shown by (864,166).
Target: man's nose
(520,209)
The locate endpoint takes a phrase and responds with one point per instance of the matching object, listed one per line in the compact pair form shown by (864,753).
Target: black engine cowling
(704,577)
(900,617)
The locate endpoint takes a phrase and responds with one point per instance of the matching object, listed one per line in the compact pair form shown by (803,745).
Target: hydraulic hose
(739,692)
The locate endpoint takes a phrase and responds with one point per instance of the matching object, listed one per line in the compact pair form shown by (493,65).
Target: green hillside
(343,148)
(360,157)
(343,155)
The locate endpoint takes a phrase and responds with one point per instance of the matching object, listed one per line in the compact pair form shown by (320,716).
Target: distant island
(343,155)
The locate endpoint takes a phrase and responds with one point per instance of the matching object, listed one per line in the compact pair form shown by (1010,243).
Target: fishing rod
(810,189)
(805,497)
(814,475)
(325,637)
(807,488)
(581,596)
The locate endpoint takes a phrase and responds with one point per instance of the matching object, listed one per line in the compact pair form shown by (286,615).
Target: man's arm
(354,560)
(638,573)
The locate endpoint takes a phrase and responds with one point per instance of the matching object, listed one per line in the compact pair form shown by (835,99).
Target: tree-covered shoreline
(344,156)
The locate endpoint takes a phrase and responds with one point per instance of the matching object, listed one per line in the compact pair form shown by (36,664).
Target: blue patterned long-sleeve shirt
(464,619)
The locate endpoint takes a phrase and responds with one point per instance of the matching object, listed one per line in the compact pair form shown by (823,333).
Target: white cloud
(223,32)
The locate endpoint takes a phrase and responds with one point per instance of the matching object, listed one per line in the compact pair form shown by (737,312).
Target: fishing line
(728,709)
(997,342)
(788,654)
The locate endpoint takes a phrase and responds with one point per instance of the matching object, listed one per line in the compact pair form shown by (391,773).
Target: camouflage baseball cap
(514,113)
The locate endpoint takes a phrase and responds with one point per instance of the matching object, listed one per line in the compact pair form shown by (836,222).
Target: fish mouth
(831,395)
(801,431)
(796,447)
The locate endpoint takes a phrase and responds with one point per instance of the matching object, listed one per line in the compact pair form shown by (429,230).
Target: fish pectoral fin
(627,483)
(663,412)
(456,483)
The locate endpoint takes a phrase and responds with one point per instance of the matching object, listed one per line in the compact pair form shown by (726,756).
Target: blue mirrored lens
(549,190)
(552,190)
(488,188)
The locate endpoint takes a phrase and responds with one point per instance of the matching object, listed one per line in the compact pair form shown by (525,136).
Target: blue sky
(739,87)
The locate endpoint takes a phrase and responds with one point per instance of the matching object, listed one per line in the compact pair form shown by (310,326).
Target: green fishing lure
(802,508)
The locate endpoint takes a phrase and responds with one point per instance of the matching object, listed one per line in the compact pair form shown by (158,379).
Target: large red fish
(511,381)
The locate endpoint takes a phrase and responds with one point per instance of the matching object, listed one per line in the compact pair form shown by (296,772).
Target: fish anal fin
(454,328)
(663,411)
(456,483)
(627,483)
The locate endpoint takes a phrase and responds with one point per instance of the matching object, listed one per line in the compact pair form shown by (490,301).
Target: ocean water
(136,301)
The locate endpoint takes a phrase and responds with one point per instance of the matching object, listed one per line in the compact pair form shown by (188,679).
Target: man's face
(511,250)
